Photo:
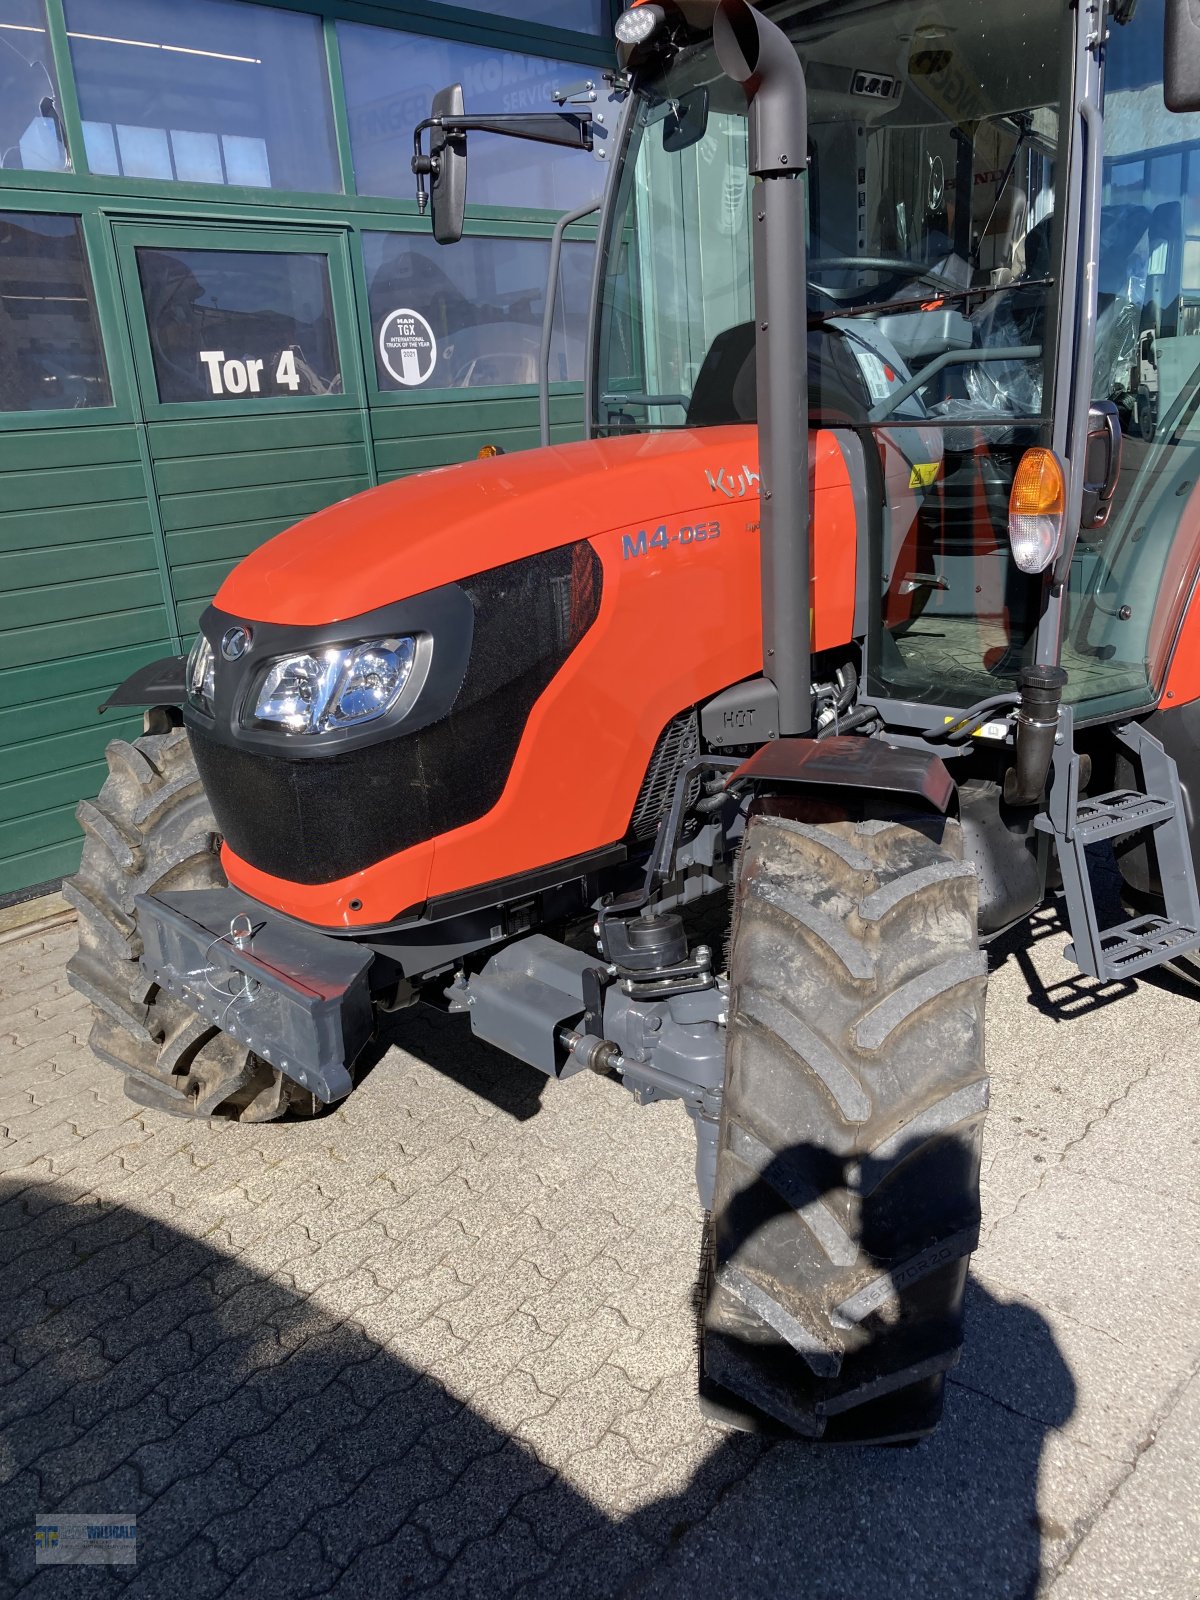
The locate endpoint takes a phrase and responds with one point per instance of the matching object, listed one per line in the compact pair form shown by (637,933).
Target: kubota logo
(736,485)
(235,643)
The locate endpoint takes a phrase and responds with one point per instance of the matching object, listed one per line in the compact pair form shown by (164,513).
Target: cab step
(1132,947)
(1076,823)
(1109,816)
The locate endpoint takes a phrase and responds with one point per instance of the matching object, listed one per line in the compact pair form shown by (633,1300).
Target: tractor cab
(944,224)
(932,289)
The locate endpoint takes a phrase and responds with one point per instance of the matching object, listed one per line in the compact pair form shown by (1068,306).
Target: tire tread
(847,1167)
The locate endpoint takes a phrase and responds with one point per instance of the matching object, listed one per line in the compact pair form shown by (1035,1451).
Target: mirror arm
(423,166)
(570,128)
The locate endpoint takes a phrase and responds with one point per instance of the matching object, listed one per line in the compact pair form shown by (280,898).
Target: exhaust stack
(756,53)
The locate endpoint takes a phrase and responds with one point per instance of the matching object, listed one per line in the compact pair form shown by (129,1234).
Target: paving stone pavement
(440,1339)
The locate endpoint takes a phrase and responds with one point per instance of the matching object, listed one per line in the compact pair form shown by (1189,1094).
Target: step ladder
(1074,824)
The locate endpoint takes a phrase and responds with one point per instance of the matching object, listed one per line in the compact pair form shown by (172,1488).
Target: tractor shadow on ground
(977,1477)
(1078,994)
(445,1043)
(270,1445)
(1074,995)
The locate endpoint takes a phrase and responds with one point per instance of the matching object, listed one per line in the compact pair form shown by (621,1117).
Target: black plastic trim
(159,683)
(501,890)
(855,763)
(436,921)
(318,808)
(445,616)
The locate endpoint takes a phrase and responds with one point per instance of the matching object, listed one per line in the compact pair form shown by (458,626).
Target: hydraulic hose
(856,719)
(963,727)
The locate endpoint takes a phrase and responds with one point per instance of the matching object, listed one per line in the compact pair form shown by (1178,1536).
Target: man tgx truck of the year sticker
(408,348)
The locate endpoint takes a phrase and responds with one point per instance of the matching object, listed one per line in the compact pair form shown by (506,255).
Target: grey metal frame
(1076,330)
(608,206)
(1158,809)
(755,52)
(552,276)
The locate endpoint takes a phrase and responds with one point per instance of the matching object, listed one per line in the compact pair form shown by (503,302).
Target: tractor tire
(846,1203)
(151,829)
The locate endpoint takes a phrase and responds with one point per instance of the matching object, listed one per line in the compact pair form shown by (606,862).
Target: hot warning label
(407,347)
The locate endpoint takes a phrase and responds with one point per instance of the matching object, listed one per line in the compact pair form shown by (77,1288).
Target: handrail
(560,228)
(953,358)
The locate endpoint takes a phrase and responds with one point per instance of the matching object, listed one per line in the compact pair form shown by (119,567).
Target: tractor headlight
(200,675)
(340,687)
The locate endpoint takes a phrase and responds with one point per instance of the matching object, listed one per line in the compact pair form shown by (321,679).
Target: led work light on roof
(636,26)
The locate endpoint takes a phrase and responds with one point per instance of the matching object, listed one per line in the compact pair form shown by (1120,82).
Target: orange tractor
(710,752)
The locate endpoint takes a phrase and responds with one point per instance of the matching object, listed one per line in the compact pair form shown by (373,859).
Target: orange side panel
(836,540)
(1183,679)
(680,619)
(404,878)
(1175,630)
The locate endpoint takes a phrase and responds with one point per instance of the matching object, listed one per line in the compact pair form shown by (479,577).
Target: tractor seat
(726,392)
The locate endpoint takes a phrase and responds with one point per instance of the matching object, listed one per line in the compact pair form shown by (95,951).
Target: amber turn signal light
(1036,507)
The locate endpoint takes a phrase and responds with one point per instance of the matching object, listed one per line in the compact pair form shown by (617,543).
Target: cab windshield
(933,269)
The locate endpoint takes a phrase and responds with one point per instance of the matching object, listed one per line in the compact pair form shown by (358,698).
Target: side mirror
(687,121)
(1101,463)
(448,168)
(1181,43)
(446,164)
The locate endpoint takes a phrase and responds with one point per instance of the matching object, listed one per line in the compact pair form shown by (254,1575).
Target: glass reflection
(391,79)
(209,92)
(51,357)
(476,311)
(32,138)
(239,324)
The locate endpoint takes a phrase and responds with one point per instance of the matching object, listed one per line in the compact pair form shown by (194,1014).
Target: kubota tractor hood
(439,527)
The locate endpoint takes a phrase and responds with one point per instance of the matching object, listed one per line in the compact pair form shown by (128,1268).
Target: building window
(471,317)
(240,325)
(31,129)
(51,357)
(391,79)
(208,92)
(577,16)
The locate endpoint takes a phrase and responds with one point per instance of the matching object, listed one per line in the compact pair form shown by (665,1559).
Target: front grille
(678,744)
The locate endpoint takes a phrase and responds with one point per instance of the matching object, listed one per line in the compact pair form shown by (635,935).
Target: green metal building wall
(118,524)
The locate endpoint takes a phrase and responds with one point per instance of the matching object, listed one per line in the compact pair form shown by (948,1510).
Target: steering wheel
(903,271)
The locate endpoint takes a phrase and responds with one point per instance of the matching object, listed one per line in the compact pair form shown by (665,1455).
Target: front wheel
(847,1189)
(149,831)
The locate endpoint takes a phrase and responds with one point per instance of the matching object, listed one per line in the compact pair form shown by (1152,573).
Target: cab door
(250,383)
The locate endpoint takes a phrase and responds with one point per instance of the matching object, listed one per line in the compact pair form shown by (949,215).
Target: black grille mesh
(678,744)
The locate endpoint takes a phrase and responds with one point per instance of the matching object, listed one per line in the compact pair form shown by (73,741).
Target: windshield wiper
(1024,127)
(982,292)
